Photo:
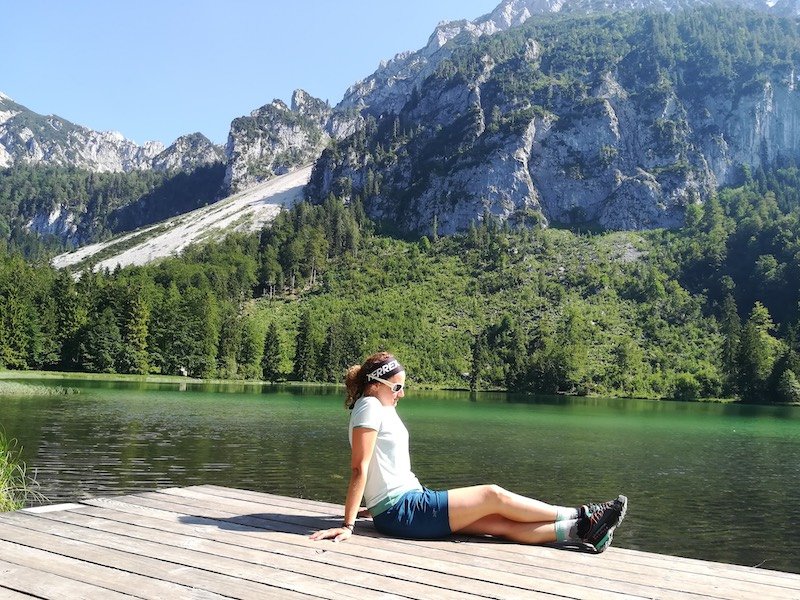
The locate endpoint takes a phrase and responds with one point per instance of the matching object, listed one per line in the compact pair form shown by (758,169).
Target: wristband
(350,526)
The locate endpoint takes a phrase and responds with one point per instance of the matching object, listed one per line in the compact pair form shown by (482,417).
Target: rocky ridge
(391,85)
(28,137)
(500,131)
(276,139)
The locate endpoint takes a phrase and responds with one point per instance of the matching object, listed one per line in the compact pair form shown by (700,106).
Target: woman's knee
(495,494)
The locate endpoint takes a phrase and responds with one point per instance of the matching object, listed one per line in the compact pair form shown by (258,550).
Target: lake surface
(710,481)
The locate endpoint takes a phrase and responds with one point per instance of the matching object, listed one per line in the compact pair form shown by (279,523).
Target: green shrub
(686,387)
(789,387)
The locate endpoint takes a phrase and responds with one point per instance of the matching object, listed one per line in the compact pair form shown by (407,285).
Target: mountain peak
(29,137)
(187,153)
(388,88)
(276,139)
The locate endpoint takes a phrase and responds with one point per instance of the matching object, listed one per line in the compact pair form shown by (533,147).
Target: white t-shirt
(389,474)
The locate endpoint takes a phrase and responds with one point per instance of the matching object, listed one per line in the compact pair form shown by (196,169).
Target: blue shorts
(418,514)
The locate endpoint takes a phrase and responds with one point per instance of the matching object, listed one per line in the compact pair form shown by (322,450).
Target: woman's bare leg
(469,505)
(515,531)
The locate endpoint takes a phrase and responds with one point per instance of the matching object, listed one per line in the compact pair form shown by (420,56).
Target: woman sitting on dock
(400,506)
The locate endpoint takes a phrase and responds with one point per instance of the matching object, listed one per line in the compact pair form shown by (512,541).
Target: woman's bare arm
(363,447)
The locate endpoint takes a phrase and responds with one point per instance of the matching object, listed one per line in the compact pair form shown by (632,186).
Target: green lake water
(711,481)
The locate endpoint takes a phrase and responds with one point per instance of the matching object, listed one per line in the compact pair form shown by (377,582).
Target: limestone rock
(276,139)
(187,153)
(444,145)
(31,138)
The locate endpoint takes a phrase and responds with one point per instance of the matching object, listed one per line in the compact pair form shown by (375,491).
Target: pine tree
(70,317)
(757,350)
(101,343)
(135,319)
(230,339)
(479,351)
(165,333)
(16,317)
(331,356)
(788,388)
(200,314)
(305,356)
(352,337)
(271,358)
(250,347)
(731,327)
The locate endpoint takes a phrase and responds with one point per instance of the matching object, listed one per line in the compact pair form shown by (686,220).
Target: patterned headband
(386,369)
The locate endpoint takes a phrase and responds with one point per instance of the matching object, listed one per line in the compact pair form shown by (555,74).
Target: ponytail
(355,381)
(356,378)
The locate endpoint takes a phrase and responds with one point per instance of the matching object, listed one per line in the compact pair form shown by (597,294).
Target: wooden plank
(632,557)
(211,542)
(248,565)
(189,576)
(711,582)
(39,584)
(483,579)
(9,594)
(713,573)
(115,579)
(50,507)
(281,555)
(566,573)
(636,561)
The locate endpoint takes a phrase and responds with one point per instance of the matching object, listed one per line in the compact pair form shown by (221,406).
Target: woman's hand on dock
(339,534)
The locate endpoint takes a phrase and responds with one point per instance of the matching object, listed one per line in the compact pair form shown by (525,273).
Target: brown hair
(356,378)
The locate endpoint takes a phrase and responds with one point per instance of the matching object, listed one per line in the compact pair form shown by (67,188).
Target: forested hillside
(51,208)
(710,310)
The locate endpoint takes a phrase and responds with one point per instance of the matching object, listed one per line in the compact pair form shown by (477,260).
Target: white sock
(567,531)
(565,513)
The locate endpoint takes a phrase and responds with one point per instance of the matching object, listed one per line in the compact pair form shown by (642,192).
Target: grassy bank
(6,375)
(8,387)
(33,374)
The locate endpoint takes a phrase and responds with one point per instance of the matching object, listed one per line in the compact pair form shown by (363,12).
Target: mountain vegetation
(88,207)
(612,120)
(706,311)
(583,123)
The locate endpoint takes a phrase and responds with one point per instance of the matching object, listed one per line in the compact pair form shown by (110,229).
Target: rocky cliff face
(60,222)
(276,139)
(391,85)
(28,137)
(187,153)
(533,124)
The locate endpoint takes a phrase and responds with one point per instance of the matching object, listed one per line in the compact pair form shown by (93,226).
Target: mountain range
(614,114)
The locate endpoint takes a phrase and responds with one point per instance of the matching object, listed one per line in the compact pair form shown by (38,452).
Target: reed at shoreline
(17,486)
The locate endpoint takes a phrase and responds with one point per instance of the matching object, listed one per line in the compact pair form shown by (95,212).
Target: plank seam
(356,586)
(170,493)
(373,571)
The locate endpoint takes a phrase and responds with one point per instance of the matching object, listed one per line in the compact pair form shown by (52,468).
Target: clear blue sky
(158,69)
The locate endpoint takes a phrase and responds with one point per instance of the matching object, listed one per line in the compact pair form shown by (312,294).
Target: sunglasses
(395,387)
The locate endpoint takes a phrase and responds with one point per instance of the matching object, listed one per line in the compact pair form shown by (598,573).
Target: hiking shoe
(599,520)
(594,509)
(603,543)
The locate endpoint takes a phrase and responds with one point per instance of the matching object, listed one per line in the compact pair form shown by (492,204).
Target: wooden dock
(215,542)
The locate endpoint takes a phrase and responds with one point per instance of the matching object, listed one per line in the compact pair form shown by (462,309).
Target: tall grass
(13,388)
(17,486)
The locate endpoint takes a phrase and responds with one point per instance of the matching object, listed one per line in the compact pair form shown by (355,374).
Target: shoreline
(8,374)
